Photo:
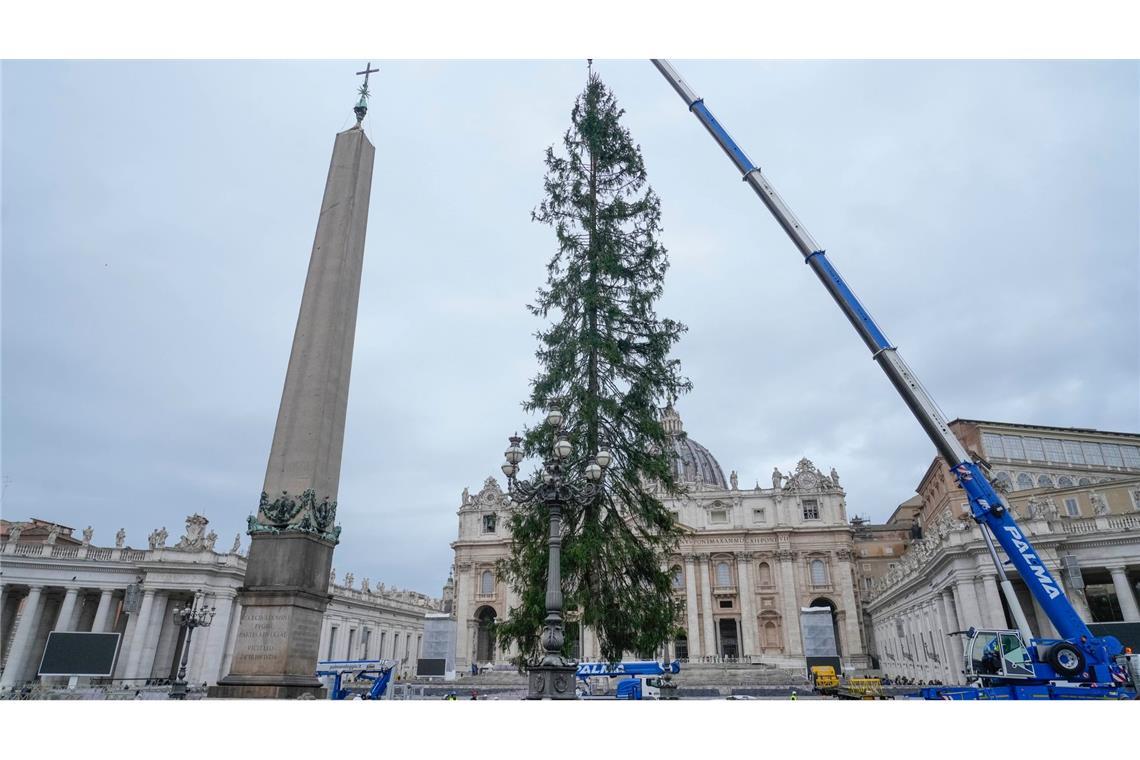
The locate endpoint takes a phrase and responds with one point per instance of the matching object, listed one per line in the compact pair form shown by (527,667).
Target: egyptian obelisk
(293,534)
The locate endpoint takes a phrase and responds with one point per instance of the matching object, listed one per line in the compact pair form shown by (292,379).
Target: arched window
(1064,481)
(771,635)
(488,523)
(1044,481)
(1084,482)
(723,574)
(1004,480)
(678,577)
(488,583)
(818,573)
(764,572)
(1024,481)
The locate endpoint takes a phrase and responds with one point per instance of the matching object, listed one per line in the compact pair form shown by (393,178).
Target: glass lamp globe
(604,458)
(514,454)
(562,448)
(554,418)
(593,471)
(509,469)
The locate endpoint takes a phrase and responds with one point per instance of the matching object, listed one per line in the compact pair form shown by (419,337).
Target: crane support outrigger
(1086,666)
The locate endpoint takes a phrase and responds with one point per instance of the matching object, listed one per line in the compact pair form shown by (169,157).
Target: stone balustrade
(914,563)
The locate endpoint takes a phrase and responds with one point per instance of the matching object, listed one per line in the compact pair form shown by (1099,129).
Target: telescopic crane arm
(986,505)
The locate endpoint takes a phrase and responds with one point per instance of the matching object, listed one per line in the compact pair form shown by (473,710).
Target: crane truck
(643,679)
(998,664)
(376,672)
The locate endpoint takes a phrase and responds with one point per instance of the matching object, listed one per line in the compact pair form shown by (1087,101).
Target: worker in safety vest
(794,697)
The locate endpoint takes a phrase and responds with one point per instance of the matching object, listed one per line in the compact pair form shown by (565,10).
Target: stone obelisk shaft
(308,440)
(293,534)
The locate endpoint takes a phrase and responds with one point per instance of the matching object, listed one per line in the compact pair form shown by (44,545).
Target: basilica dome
(692,462)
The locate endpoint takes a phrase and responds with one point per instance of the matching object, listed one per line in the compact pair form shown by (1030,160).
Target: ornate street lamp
(560,483)
(189,617)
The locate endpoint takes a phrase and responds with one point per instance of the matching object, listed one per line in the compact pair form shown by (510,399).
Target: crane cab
(996,654)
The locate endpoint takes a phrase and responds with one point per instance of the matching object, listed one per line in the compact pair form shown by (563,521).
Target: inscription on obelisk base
(280,627)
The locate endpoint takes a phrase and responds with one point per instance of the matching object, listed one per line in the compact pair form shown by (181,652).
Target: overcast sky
(158,220)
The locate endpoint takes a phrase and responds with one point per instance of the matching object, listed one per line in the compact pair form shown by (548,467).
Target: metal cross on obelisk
(361,108)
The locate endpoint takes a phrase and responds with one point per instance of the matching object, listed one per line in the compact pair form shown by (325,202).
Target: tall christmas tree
(605,363)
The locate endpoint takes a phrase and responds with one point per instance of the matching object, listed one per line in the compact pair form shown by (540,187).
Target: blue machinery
(378,672)
(1007,664)
(634,686)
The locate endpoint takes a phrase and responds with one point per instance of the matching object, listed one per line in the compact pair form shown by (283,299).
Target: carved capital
(787,555)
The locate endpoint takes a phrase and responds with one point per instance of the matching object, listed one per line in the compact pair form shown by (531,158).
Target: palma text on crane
(1034,562)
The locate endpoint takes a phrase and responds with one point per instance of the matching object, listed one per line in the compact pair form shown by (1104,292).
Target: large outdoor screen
(431,667)
(79,654)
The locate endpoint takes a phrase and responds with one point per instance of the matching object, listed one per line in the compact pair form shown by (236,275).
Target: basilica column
(463,591)
(710,647)
(26,629)
(790,603)
(1124,596)
(746,593)
(694,628)
(850,608)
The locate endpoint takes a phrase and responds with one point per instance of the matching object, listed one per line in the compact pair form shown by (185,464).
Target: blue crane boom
(1079,656)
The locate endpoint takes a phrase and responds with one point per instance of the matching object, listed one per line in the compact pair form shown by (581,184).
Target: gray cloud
(157,220)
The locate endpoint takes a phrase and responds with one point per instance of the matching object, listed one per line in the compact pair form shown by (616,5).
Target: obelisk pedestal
(285,593)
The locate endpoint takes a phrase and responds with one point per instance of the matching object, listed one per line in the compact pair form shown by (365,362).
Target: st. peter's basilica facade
(748,565)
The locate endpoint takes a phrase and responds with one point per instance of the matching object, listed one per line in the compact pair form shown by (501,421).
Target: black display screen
(79,654)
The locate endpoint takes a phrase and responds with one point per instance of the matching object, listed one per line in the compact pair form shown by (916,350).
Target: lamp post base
(552,682)
(177,690)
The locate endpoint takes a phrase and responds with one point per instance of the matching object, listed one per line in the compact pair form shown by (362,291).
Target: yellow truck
(824,680)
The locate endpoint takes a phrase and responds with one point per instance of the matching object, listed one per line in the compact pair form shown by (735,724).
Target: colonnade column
(67,609)
(694,629)
(25,630)
(1124,595)
(966,600)
(747,613)
(709,647)
(954,643)
(1076,598)
(103,611)
(995,615)
(138,635)
(938,655)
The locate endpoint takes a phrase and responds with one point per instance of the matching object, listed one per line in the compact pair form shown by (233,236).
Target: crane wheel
(1066,659)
